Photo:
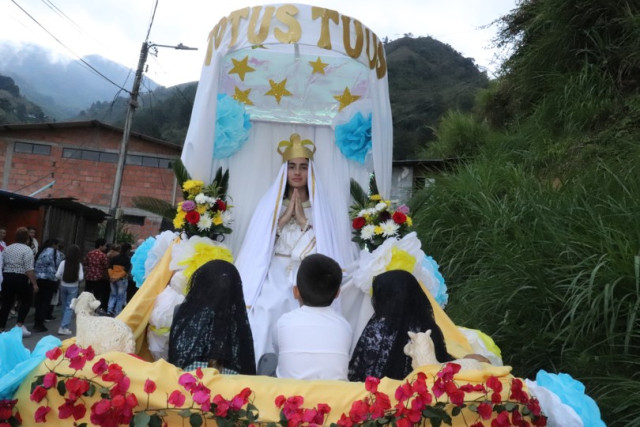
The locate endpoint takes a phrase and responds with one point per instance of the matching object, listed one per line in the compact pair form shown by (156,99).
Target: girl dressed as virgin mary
(291,221)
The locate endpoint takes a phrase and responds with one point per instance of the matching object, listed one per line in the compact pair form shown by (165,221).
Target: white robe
(276,296)
(257,254)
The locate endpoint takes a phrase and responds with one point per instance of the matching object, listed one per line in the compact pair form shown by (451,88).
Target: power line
(71,51)
(153,16)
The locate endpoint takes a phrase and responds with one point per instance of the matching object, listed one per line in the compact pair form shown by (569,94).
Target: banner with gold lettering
(276,69)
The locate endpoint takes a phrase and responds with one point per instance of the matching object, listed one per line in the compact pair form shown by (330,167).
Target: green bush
(549,269)
(458,135)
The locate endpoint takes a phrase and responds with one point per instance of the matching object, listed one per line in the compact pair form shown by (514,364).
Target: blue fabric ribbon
(354,137)
(16,361)
(571,393)
(232,127)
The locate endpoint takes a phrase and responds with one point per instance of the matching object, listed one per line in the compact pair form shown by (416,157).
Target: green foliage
(458,135)
(549,271)
(181,173)
(157,206)
(553,40)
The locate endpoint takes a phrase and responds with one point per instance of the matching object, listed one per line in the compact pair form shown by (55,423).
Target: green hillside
(14,108)
(537,231)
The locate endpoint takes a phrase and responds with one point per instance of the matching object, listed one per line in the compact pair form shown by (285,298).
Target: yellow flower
(193,187)
(201,209)
(401,260)
(377,230)
(388,202)
(178,221)
(203,253)
(375,197)
(409,221)
(217,219)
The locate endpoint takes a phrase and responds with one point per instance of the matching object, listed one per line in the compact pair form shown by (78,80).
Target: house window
(94,156)
(72,153)
(109,157)
(134,160)
(26,147)
(133,219)
(148,161)
(91,155)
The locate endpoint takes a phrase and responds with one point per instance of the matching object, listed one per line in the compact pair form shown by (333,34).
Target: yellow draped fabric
(338,395)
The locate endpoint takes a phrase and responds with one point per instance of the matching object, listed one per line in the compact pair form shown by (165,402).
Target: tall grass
(550,270)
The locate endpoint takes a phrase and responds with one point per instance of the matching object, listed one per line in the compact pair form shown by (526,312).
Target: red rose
(176,398)
(50,380)
(54,353)
(399,218)
(484,410)
(38,394)
(100,367)
(358,223)
(149,386)
(280,401)
(371,384)
(41,414)
(193,217)
(222,206)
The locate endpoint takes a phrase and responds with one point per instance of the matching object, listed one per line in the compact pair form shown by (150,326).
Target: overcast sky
(116,29)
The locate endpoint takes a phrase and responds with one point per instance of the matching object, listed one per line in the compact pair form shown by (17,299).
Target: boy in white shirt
(314,340)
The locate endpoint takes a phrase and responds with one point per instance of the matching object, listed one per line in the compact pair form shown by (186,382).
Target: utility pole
(110,231)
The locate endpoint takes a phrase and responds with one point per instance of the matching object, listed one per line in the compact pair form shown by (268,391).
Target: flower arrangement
(416,401)
(205,211)
(7,417)
(373,219)
(117,404)
(378,222)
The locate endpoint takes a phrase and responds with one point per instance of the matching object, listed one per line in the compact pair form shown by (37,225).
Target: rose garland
(117,403)
(474,403)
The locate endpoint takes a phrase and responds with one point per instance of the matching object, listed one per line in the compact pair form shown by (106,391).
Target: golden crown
(295,148)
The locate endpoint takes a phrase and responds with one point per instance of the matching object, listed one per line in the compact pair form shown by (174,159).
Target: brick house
(80,159)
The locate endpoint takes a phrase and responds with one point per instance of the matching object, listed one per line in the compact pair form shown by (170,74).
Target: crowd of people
(46,275)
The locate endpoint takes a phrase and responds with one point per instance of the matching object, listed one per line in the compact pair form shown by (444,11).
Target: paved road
(52,326)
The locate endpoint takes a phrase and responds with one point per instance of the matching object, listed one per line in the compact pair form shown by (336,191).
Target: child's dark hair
(318,280)
(72,264)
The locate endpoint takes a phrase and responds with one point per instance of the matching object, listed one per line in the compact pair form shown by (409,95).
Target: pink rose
(188,205)
(403,209)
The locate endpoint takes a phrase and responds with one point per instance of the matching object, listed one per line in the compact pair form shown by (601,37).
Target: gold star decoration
(318,66)
(242,96)
(278,90)
(241,67)
(346,98)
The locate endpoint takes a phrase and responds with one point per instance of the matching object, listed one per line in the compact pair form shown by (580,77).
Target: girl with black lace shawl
(210,328)
(399,305)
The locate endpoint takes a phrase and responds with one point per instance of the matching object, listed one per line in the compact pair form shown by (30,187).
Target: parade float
(273,75)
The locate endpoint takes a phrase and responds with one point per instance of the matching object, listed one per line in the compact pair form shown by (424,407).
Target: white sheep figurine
(422,352)
(104,334)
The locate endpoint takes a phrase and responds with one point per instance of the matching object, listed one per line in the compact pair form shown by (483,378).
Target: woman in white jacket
(70,274)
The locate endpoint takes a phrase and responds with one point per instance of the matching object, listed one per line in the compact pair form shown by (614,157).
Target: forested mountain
(62,86)
(14,108)
(426,78)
